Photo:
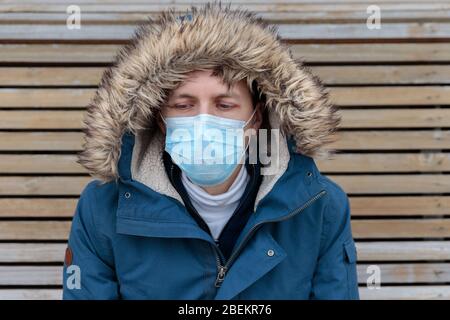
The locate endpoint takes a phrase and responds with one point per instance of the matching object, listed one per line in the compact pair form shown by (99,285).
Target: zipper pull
(220,276)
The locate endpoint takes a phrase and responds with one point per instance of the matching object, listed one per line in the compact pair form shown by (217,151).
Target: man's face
(202,93)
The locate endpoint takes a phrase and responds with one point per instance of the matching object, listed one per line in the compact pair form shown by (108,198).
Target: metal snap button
(270,253)
(127,195)
(309,174)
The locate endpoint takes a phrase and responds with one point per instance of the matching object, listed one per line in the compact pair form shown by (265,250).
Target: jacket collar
(248,198)
(150,207)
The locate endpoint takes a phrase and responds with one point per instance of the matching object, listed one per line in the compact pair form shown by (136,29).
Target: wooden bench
(393,85)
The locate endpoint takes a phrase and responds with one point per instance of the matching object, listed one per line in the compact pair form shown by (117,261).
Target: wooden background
(393,85)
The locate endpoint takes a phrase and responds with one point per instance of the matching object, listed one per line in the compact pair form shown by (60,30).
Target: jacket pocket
(351,258)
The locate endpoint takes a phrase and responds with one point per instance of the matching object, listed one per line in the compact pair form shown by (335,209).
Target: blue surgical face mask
(207,148)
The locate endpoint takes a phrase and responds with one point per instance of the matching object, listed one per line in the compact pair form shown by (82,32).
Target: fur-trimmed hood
(165,48)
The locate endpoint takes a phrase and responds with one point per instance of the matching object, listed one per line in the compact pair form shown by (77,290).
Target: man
(179,210)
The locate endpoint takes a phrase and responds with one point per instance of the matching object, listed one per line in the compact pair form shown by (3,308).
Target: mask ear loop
(162,118)
(246,122)
(247,147)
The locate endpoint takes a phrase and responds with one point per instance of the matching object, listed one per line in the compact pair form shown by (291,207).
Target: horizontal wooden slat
(385,293)
(248,2)
(358,184)
(344,96)
(32,252)
(343,52)
(59,185)
(40,163)
(37,207)
(381,118)
(401,228)
(47,98)
(40,141)
(263,6)
(34,230)
(385,162)
(41,119)
(403,250)
(59,53)
(400,205)
(37,5)
(45,76)
(367,251)
(348,162)
(390,273)
(405,293)
(398,96)
(392,140)
(396,118)
(359,31)
(354,184)
(30,275)
(383,74)
(408,273)
(392,183)
(331,75)
(370,229)
(328,16)
(30,294)
(360,206)
(347,140)
(123,32)
(363,52)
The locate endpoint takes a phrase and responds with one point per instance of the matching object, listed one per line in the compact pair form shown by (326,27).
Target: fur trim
(164,49)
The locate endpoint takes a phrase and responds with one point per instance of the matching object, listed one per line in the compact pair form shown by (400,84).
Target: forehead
(203,82)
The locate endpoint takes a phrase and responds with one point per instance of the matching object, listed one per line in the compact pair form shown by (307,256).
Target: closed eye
(182,106)
(225,106)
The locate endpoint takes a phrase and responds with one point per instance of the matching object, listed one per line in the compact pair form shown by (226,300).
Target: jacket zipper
(223,269)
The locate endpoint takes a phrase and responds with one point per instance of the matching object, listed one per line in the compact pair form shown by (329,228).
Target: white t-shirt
(216,210)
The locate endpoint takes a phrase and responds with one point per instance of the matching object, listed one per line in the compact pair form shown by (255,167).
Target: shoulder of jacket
(335,192)
(336,196)
(337,208)
(95,188)
(98,205)
(100,194)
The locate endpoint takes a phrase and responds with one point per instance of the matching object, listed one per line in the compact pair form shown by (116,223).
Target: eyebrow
(222,95)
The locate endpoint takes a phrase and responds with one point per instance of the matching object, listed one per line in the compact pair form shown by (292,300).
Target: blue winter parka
(131,242)
(131,235)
